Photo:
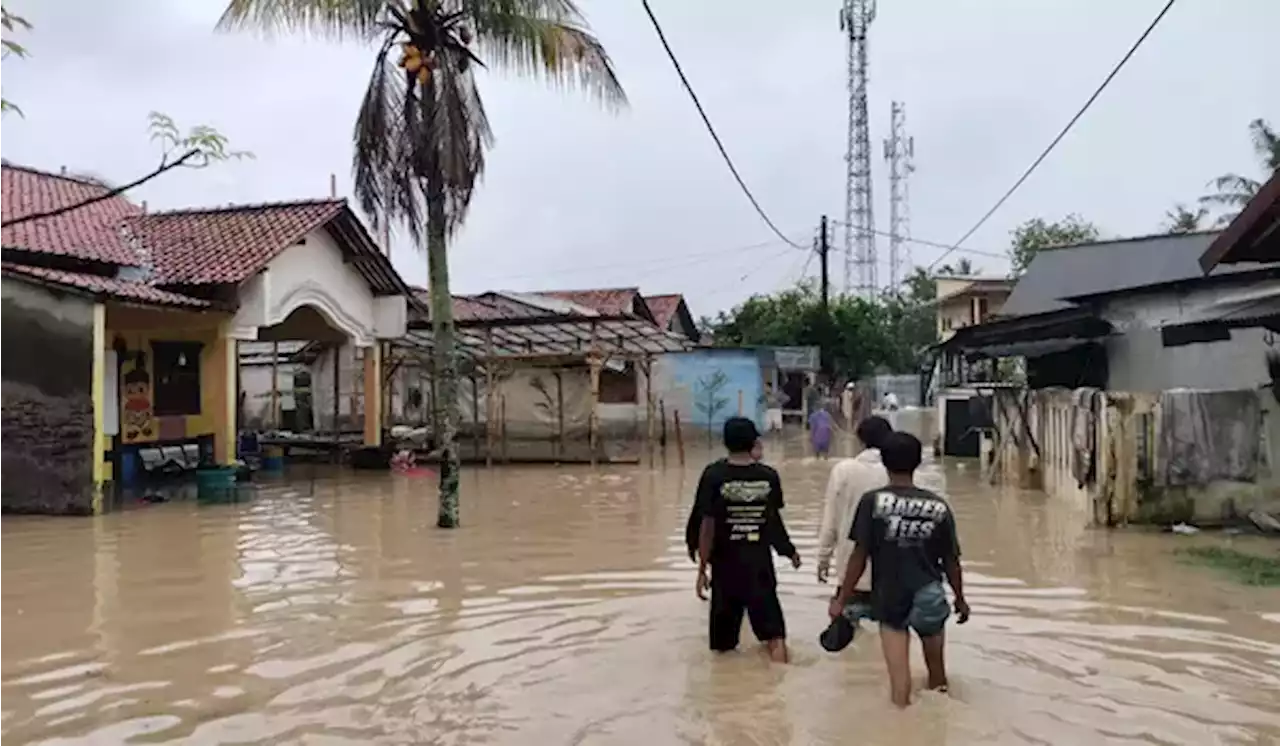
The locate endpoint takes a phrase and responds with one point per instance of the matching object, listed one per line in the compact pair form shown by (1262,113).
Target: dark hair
(740,435)
(873,430)
(900,452)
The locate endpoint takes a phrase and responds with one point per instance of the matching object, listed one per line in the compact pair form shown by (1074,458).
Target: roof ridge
(82,181)
(632,288)
(246,207)
(1136,239)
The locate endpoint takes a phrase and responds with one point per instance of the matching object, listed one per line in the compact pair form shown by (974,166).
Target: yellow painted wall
(138,328)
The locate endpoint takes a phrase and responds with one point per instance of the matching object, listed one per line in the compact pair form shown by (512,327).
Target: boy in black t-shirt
(739,499)
(909,534)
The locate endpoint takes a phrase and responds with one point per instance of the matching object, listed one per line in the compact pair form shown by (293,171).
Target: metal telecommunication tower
(859,238)
(899,150)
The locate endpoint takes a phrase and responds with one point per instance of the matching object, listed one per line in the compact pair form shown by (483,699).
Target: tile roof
(225,245)
(608,301)
(664,308)
(90,232)
(105,286)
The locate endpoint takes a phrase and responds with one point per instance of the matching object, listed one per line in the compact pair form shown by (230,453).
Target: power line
(935,244)
(710,129)
(1036,163)
(666,261)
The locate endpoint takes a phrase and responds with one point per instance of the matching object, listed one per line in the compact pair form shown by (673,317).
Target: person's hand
(795,560)
(835,608)
(693,556)
(962,610)
(824,570)
(703,584)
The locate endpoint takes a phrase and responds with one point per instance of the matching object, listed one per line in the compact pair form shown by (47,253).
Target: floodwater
(563,612)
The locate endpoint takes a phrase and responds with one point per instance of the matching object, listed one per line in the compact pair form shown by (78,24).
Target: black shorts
(761,607)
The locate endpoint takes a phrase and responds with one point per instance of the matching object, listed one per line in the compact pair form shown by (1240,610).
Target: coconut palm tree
(1183,219)
(1234,191)
(421,133)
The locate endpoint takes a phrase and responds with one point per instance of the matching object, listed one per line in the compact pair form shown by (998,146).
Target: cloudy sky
(575,197)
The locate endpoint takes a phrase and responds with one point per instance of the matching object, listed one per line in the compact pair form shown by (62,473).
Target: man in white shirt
(850,480)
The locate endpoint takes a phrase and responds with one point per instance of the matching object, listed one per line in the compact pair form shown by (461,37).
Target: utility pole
(824,340)
(899,149)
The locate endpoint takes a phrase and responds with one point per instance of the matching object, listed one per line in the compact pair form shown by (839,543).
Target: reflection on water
(563,612)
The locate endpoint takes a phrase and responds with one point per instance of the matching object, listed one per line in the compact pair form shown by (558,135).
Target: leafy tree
(709,401)
(962,268)
(11,22)
(421,133)
(1182,219)
(1233,191)
(1038,235)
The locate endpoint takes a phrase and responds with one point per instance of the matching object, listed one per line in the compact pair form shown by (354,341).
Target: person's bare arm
(828,533)
(951,566)
(706,542)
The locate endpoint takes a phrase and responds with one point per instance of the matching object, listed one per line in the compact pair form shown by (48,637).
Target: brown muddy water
(563,612)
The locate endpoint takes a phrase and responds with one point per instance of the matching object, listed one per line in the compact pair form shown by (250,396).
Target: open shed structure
(550,379)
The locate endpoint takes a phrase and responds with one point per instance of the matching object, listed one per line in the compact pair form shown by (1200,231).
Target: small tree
(1038,235)
(709,401)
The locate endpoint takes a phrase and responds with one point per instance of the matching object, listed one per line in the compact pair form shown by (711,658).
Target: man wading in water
(909,534)
(739,499)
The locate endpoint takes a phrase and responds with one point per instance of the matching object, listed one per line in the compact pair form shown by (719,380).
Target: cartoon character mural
(138,417)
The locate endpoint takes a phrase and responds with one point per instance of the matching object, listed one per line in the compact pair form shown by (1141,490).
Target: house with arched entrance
(121,327)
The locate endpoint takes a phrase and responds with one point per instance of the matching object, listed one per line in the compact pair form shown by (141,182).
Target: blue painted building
(709,385)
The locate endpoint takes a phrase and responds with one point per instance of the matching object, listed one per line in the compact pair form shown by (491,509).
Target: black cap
(837,635)
(740,434)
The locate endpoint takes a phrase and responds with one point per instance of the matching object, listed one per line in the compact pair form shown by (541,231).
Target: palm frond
(407,131)
(1266,143)
(333,19)
(545,39)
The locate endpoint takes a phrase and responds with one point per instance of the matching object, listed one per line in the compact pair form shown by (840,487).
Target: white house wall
(1138,361)
(314,273)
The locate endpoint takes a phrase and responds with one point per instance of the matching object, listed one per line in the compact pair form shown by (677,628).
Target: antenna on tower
(859,237)
(899,151)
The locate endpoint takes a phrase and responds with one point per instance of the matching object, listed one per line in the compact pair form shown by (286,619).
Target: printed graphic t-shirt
(744,500)
(908,533)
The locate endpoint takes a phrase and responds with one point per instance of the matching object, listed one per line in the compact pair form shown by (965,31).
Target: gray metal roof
(1106,267)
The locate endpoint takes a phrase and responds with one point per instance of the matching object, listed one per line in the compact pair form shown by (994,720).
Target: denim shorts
(929,610)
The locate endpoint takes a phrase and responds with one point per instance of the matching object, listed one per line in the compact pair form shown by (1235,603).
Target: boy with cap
(739,500)
(909,535)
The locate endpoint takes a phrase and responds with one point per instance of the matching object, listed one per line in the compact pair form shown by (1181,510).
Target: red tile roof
(484,307)
(664,308)
(225,245)
(608,301)
(90,232)
(105,286)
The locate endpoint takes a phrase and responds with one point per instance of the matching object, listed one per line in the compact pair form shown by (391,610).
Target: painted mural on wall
(138,423)
(705,386)
(46,436)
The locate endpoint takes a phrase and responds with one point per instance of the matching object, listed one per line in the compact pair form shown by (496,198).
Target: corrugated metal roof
(1105,267)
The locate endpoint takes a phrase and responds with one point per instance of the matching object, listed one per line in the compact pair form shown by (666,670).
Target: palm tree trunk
(446,360)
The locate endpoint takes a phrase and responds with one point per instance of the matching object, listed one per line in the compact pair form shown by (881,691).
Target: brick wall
(46,417)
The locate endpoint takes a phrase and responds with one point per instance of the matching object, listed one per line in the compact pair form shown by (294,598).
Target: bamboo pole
(502,418)
(475,416)
(662,423)
(679,437)
(337,392)
(648,406)
(739,402)
(593,421)
(559,415)
(488,398)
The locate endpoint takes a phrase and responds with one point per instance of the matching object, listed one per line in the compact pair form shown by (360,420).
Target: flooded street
(563,612)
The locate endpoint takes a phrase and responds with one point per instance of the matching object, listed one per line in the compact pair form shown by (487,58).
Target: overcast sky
(575,197)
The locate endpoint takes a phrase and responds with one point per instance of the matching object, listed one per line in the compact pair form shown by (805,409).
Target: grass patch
(1250,569)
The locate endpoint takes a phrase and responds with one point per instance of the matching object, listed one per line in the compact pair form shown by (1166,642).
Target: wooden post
(679,437)
(662,423)
(488,398)
(593,420)
(559,415)
(475,416)
(648,407)
(337,392)
(275,385)
(502,417)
